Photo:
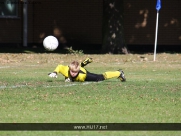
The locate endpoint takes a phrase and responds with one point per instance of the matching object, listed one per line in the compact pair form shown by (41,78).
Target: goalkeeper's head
(74,68)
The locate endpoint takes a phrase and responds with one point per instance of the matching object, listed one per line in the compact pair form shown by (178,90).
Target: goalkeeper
(76,72)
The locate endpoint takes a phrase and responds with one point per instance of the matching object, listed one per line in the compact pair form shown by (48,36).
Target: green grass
(152,93)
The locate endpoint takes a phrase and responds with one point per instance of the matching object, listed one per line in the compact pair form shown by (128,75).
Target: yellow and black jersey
(64,70)
(84,75)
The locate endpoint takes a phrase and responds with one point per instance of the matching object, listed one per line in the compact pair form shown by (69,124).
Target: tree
(113,30)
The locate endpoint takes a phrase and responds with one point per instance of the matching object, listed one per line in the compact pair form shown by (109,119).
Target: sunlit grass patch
(151,93)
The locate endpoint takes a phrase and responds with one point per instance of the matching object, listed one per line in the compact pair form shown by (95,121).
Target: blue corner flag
(158,5)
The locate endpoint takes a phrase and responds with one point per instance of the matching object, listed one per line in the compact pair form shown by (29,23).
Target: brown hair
(74,66)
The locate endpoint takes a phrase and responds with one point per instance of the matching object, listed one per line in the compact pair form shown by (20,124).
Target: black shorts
(94,77)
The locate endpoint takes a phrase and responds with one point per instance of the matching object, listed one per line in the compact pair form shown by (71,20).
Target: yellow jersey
(64,70)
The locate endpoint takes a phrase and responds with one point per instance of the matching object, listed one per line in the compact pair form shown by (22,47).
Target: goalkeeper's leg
(107,75)
(112,74)
(94,77)
(86,61)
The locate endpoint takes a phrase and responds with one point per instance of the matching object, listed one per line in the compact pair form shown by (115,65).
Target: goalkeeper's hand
(67,79)
(53,74)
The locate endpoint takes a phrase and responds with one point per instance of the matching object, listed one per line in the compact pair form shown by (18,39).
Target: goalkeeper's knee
(86,61)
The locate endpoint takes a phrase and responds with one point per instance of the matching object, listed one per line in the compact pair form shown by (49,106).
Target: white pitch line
(85,83)
(67,85)
(14,86)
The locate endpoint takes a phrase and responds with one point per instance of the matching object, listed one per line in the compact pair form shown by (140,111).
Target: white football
(50,43)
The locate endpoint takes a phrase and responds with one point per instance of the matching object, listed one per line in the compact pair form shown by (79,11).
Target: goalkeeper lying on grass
(76,72)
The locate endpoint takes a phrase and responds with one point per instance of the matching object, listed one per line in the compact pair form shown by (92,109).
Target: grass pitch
(151,94)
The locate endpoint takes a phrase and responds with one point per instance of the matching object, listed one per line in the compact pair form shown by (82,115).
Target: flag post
(158,6)
(156,32)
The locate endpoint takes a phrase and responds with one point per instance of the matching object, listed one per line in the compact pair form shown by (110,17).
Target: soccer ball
(50,43)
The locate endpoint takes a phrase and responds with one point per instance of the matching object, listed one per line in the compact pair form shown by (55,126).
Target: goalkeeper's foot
(122,76)
(86,61)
